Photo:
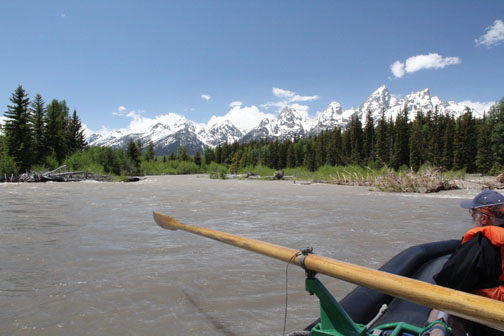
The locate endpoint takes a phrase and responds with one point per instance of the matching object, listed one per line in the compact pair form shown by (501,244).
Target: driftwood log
(279,175)
(56,176)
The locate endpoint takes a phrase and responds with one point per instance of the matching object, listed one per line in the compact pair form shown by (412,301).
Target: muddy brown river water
(87,258)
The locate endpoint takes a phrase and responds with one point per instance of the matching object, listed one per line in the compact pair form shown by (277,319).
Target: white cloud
(493,36)
(140,124)
(430,61)
(298,98)
(281,93)
(103,131)
(420,62)
(479,107)
(291,99)
(397,69)
(236,103)
(121,111)
(278,104)
(206,97)
(292,96)
(245,118)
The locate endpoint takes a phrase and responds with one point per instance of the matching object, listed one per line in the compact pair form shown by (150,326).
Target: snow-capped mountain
(220,133)
(287,125)
(333,116)
(414,102)
(167,136)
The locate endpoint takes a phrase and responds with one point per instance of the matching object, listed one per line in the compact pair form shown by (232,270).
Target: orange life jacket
(496,236)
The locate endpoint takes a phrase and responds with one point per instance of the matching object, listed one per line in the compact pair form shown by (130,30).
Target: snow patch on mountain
(169,131)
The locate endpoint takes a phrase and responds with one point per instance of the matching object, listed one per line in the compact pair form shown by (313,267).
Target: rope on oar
(303,253)
(287,288)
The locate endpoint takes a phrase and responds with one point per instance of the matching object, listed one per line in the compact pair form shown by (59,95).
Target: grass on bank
(426,179)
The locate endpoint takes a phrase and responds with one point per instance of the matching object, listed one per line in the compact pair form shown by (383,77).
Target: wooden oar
(469,306)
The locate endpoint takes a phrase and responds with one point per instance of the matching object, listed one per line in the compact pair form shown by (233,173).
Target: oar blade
(166,222)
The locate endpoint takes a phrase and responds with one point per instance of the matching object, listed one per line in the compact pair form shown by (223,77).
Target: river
(86,258)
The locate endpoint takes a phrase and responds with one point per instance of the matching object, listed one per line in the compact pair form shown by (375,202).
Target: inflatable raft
(374,309)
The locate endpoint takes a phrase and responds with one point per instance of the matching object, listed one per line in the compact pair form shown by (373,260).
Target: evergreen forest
(38,136)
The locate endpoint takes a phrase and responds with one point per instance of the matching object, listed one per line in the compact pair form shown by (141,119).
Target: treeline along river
(86,258)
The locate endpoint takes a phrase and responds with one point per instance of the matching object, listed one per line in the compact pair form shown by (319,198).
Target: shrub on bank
(7,166)
(259,170)
(217,171)
(170,167)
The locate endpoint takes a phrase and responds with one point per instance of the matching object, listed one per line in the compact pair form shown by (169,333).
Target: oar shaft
(469,306)
(271,250)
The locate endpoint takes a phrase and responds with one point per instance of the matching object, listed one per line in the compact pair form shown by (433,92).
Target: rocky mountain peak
(179,131)
(289,117)
(377,100)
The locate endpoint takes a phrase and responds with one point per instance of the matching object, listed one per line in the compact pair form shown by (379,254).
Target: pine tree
(265,155)
(369,138)
(391,131)
(337,141)
(382,140)
(299,152)
(7,164)
(310,160)
(208,155)
(321,148)
(56,129)
(38,112)
(244,157)
(291,157)
(401,140)
(496,119)
(76,136)
(458,145)
(18,129)
(356,139)
(235,162)
(218,154)
(346,145)
(332,150)
(149,152)
(283,148)
(465,142)
(417,142)
(435,139)
(484,154)
(225,154)
(273,155)
(182,153)
(133,156)
(449,132)
(197,158)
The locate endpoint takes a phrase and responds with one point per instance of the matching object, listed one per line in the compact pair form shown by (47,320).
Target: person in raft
(477,266)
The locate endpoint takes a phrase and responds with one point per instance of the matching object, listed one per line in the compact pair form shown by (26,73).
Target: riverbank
(425,181)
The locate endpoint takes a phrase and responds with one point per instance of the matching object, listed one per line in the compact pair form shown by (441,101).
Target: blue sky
(114,61)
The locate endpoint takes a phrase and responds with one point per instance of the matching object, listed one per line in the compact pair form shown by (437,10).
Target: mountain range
(289,123)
